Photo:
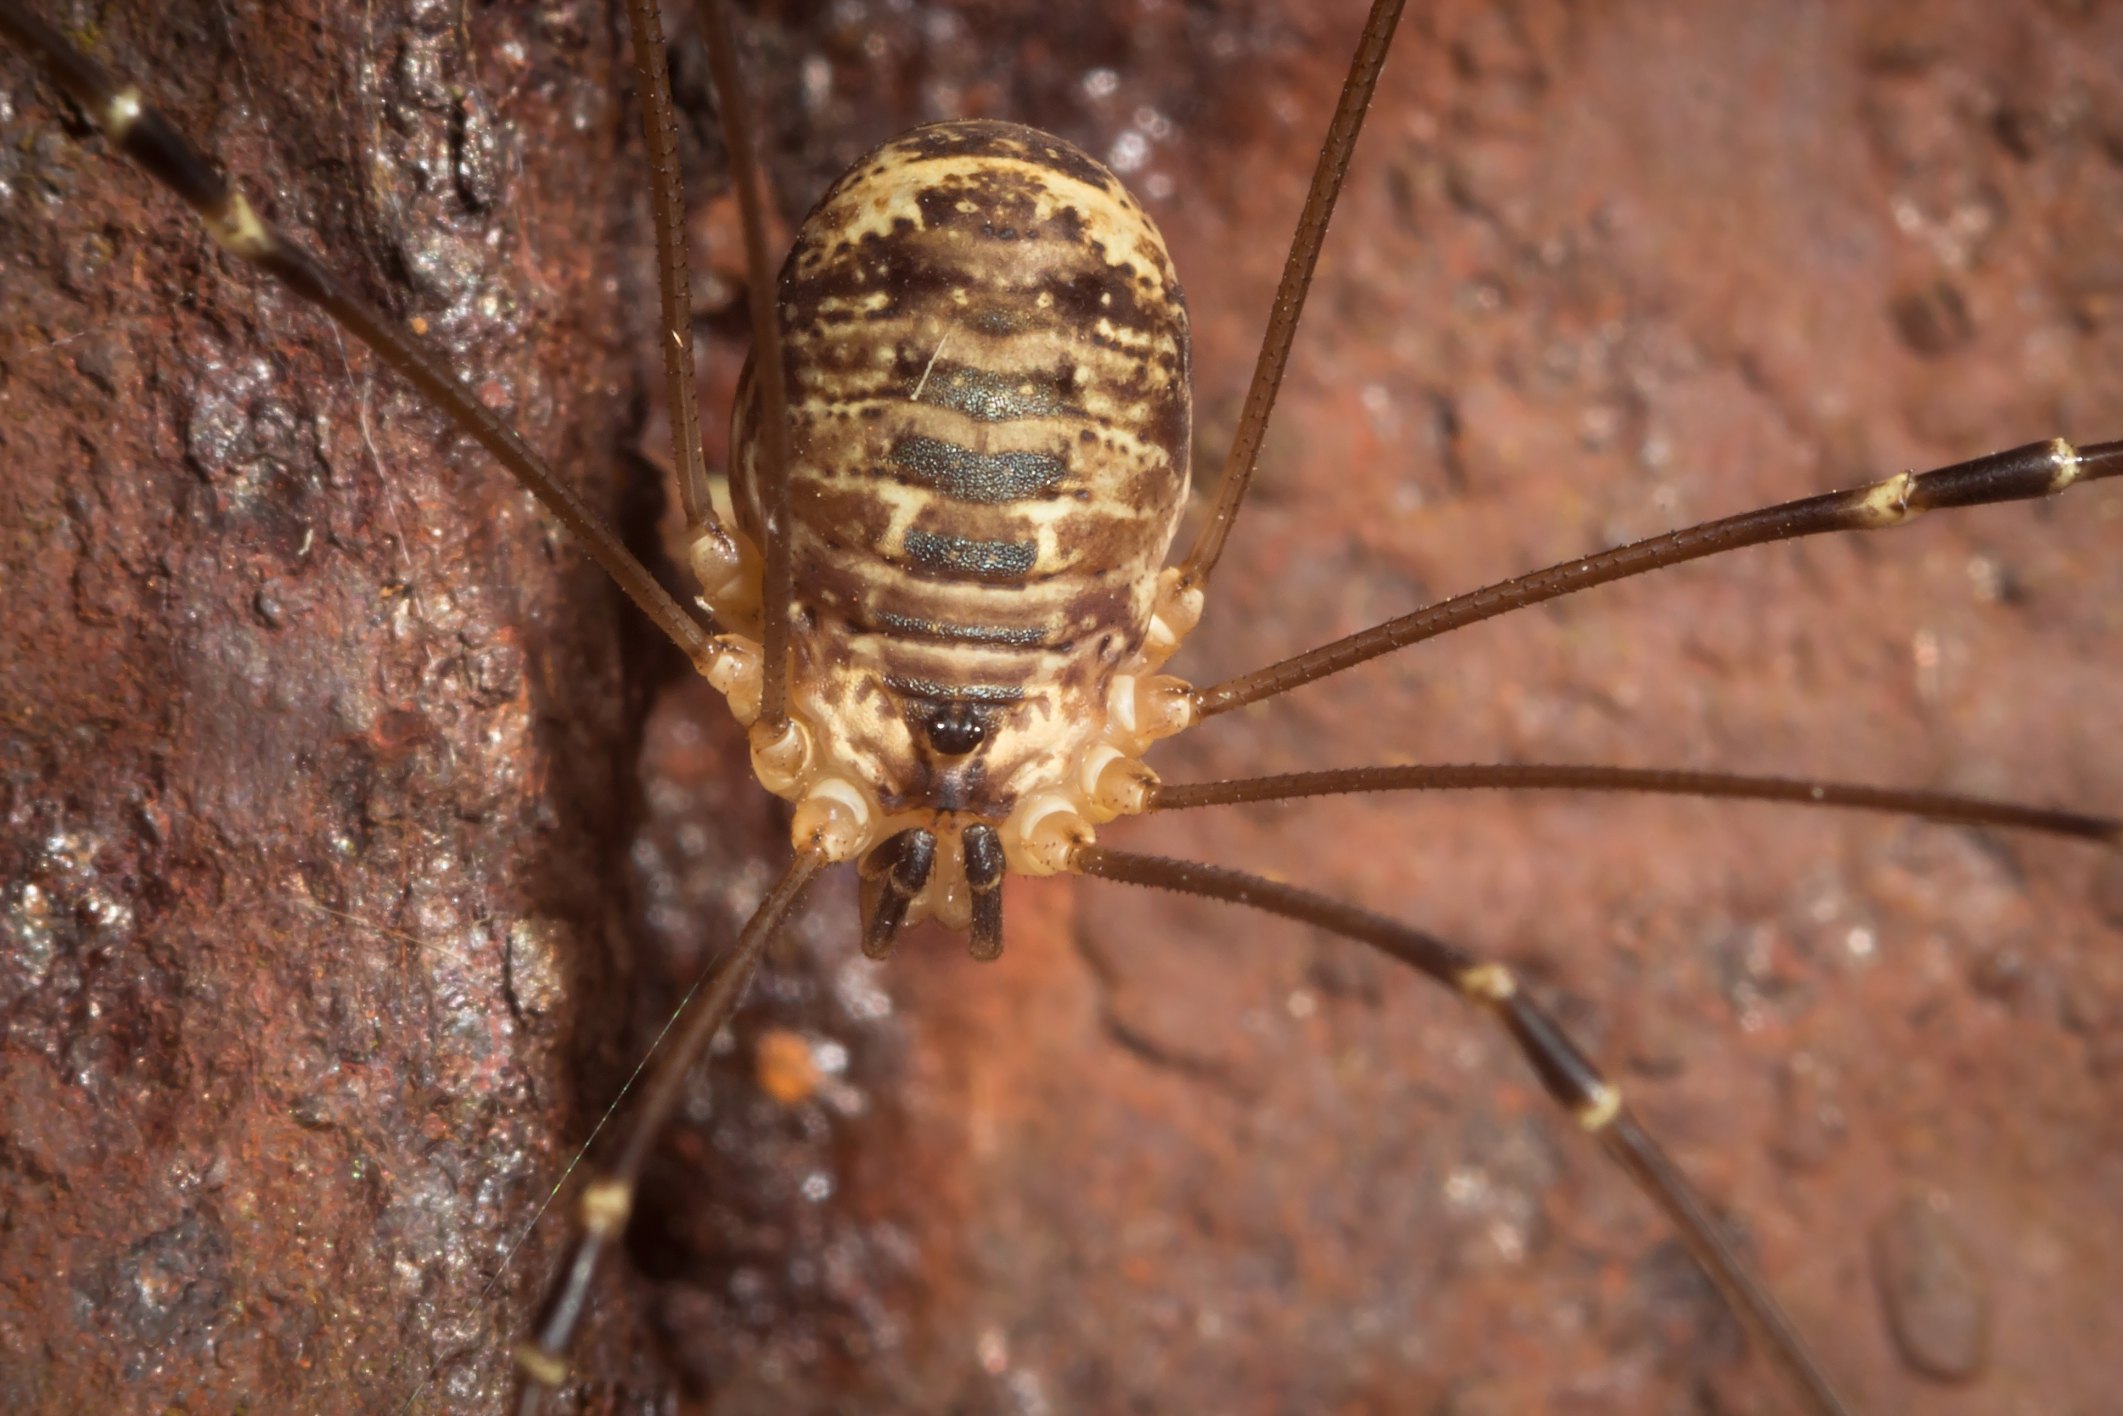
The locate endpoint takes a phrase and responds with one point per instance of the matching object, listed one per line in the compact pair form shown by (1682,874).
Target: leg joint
(1488,984)
(546,1369)
(1600,1106)
(606,1204)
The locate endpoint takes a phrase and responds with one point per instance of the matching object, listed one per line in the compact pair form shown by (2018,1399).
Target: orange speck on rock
(787,1071)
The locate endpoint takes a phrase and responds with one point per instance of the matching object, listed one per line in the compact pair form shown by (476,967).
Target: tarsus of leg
(607,1198)
(1932,806)
(1298,266)
(1565,1072)
(149,139)
(2017,474)
(767,366)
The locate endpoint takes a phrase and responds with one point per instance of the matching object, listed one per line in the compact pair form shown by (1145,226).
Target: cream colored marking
(716,563)
(852,308)
(904,504)
(738,674)
(1599,1113)
(1123,789)
(1179,603)
(2067,459)
(1160,642)
(1048,556)
(678,340)
(1039,520)
(545,1368)
(605,1206)
(1095,762)
(1488,983)
(1887,503)
(857,316)
(853,797)
(1134,340)
(1120,701)
(122,112)
(928,368)
(1024,434)
(946,898)
(1132,241)
(835,818)
(1164,705)
(782,761)
(1114,415)
(239,230)
(1043,831)
(1175,610)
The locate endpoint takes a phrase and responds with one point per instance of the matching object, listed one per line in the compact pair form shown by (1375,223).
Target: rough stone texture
(1602,271)
(315,746)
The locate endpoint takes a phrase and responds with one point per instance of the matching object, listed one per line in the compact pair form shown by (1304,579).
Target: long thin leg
(767,363)
(1565,1072)
(667,203)
(1298,266)
(1802,791)
(608,1198)
(149,140)
(2018,474)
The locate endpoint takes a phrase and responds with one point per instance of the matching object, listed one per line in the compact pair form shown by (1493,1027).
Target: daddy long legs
(1150,1041)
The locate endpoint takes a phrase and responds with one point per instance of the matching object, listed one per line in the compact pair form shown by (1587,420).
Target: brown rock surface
(313,766)
(319,796)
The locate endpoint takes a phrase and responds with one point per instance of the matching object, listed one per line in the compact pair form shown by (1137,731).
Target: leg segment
(766,359)
(608,1198)
(659,130)
(149,140)
(1289,303)
(2018,474)
(893,874)
(1932,806)
(1565,1073)
(984,877)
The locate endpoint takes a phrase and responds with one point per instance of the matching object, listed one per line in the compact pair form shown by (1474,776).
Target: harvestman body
(990,392)
(945,599)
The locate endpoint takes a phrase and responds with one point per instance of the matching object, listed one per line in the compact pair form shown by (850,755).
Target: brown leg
(1568,1076)
(608,1198)
(2017,474)
(1931,806)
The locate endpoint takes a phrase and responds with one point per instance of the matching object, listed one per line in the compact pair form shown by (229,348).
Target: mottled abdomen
(988,377)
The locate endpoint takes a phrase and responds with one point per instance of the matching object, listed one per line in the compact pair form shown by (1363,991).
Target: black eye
(954,731)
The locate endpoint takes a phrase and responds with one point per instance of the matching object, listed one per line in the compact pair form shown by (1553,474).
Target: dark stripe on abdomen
(1008,561)
(989,477)
(915,627)
(988,397)
(951,692)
